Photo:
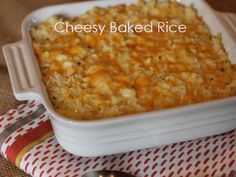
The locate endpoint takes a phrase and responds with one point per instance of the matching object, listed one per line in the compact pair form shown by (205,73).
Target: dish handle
(23,73)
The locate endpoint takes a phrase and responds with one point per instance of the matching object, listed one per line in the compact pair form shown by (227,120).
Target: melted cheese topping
(93,76)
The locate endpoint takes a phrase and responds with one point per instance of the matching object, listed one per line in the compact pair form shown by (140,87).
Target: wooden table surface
(12,13)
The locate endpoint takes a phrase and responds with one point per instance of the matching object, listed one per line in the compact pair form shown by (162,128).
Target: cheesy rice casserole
(93,76)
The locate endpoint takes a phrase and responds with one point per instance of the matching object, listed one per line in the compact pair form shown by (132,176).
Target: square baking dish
(124,133)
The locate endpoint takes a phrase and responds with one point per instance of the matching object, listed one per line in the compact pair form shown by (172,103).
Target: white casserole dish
(125,133)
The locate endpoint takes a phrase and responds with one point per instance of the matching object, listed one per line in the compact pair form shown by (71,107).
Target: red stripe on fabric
(26,139)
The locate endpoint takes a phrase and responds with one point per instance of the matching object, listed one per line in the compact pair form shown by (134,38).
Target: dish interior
(104,74)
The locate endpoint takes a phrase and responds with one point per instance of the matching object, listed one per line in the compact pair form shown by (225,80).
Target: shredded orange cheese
(93,76)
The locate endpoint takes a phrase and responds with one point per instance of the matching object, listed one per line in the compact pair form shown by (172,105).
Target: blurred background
(12,13)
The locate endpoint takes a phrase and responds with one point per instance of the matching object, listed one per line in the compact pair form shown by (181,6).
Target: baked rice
(93,76)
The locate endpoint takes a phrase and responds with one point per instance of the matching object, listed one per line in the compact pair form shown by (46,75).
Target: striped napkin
(27,140)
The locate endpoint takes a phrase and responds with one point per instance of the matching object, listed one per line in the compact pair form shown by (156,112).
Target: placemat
(27,141)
